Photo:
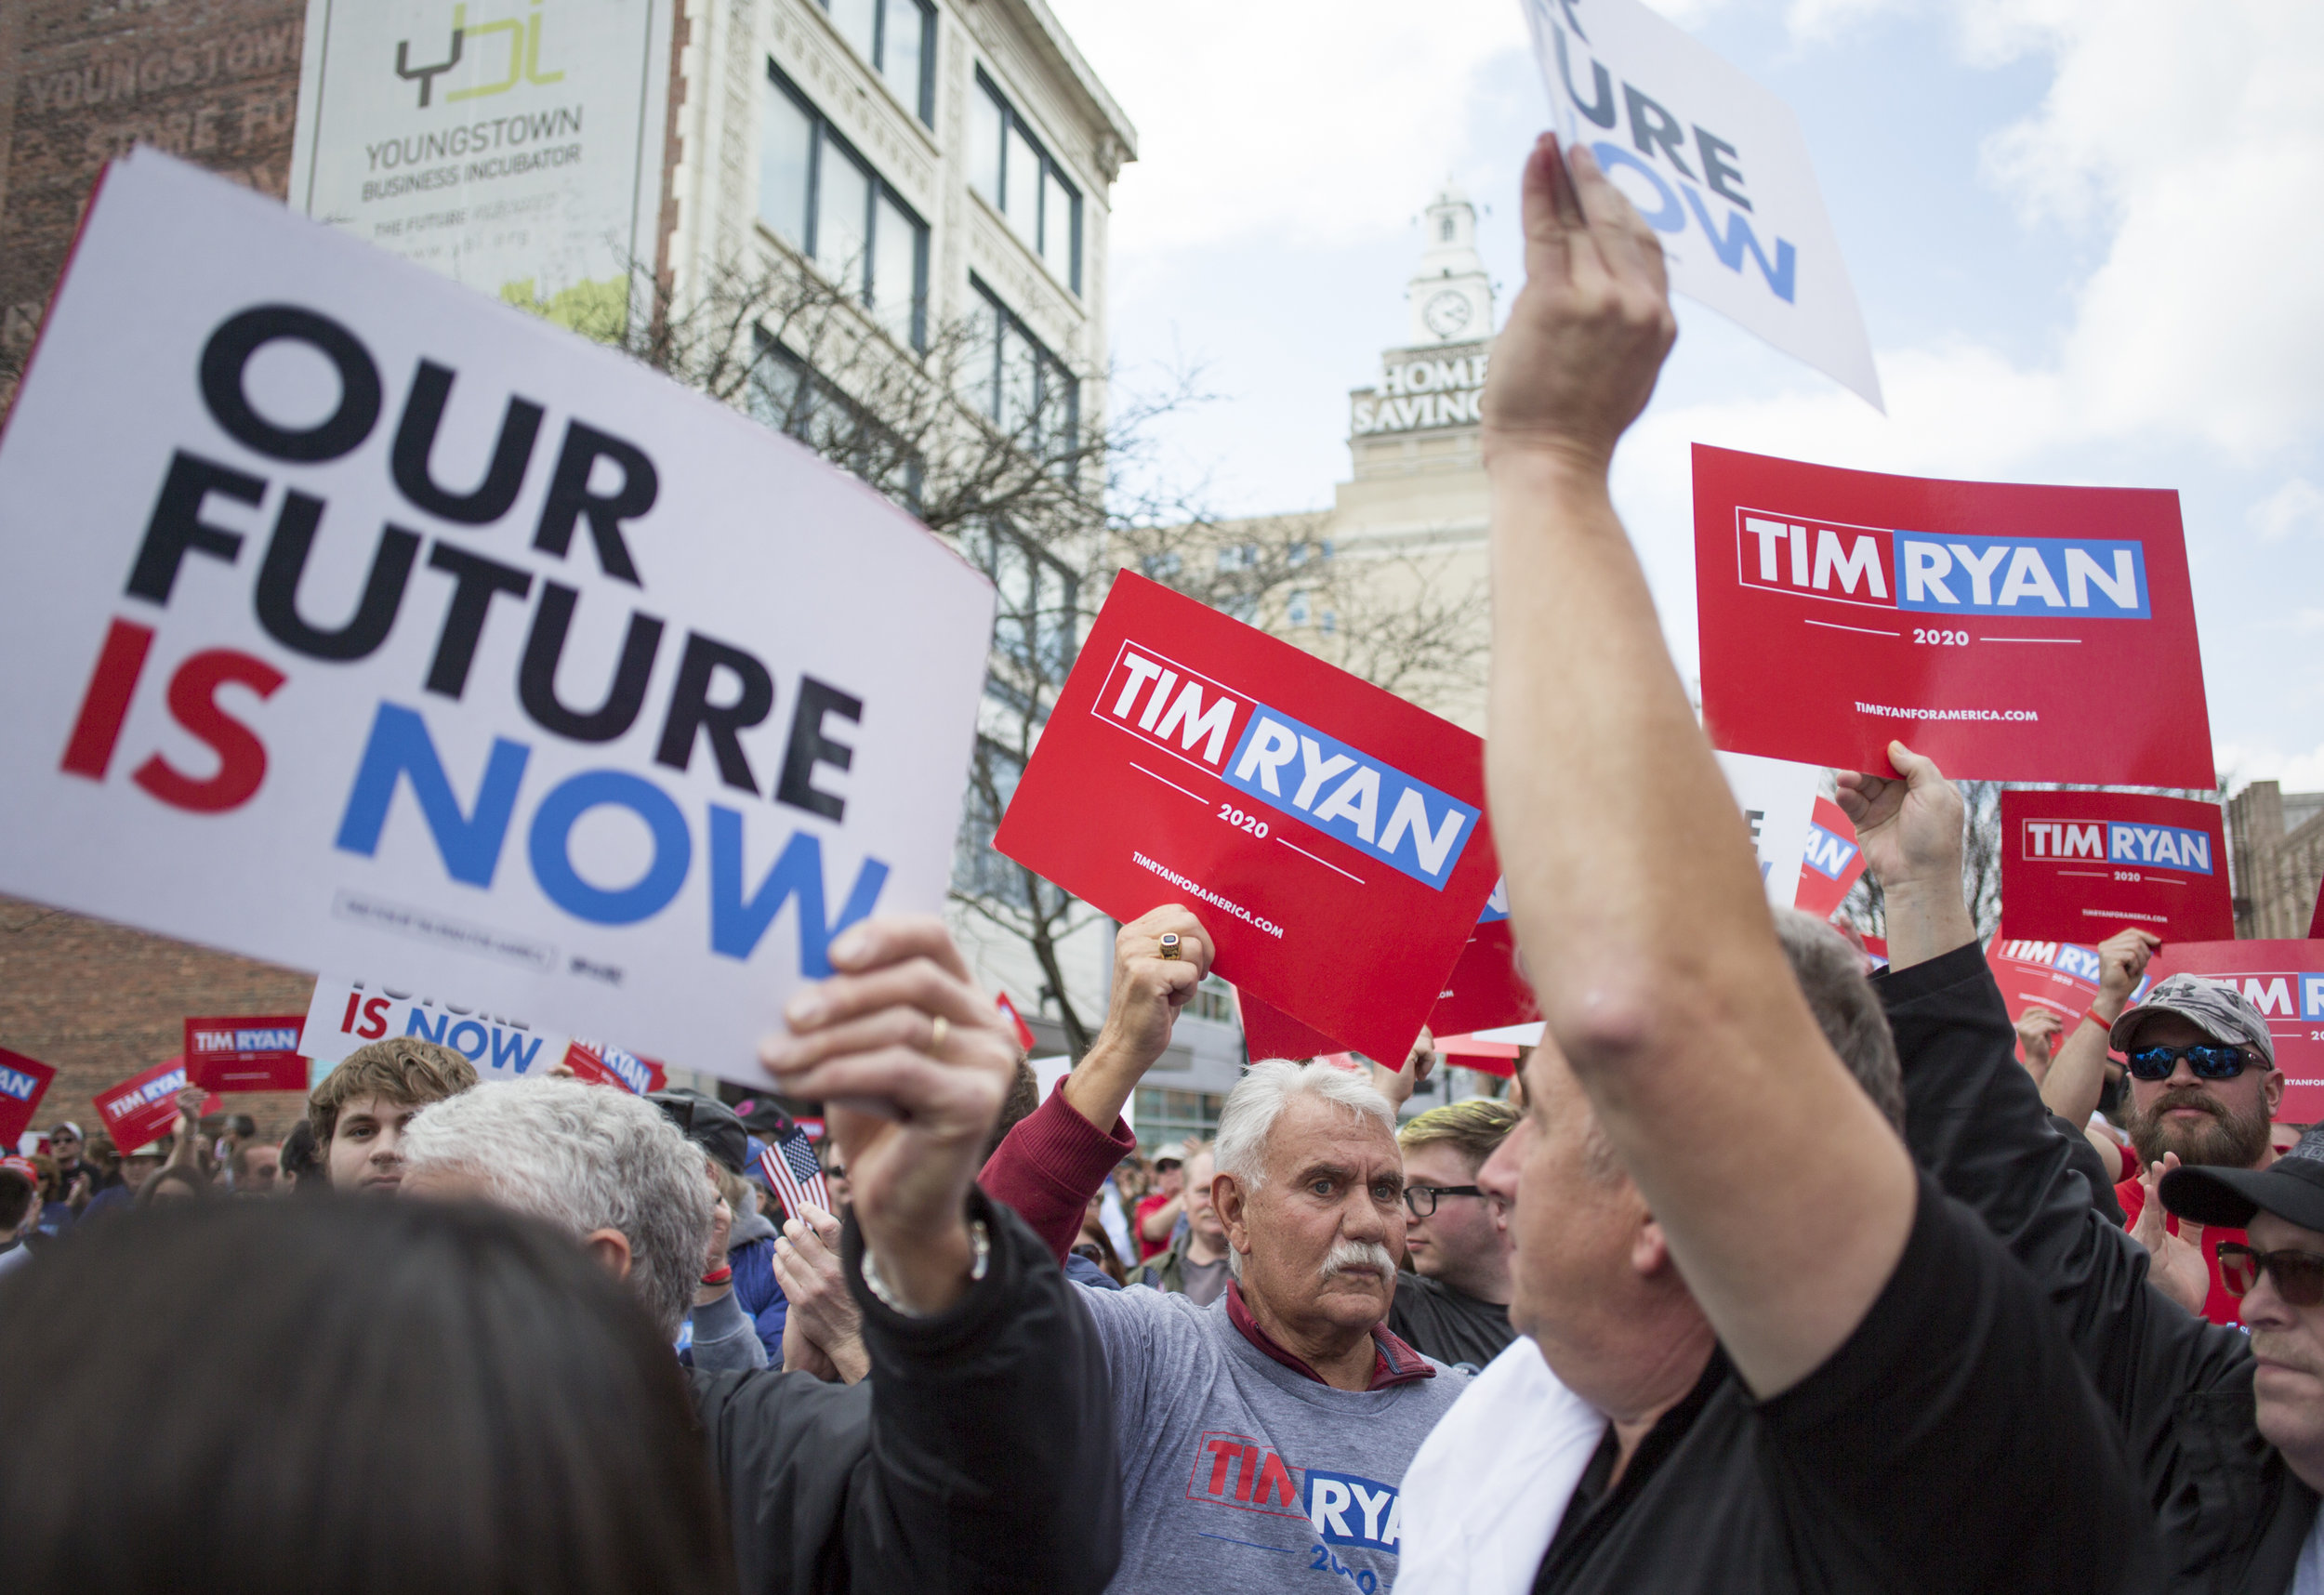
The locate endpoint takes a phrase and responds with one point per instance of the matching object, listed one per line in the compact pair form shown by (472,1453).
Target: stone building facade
(2276,849)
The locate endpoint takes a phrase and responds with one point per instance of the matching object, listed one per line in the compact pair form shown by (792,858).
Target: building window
(1165,1117)
(898,38)
(1296,611)
(977,869)
(1007,165)
(1017,384)
(1213,1000)
(824,199)
(1038,622)
(787,394)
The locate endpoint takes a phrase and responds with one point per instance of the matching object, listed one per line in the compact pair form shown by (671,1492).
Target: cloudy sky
(2085,233)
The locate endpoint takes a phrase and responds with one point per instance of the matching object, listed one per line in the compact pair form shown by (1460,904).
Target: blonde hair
(1473,1128)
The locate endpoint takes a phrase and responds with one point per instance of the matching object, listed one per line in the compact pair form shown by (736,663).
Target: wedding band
(936,1034)
(1170,946)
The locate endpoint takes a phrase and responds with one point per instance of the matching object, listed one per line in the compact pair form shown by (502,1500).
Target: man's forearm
(1646,927)
(1926,919)
(1013,1371)
(1101,1084)
(1158,1225)
(2077,1071)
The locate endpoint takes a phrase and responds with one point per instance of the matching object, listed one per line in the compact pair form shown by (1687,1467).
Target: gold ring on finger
(936,1029)
(1169,945)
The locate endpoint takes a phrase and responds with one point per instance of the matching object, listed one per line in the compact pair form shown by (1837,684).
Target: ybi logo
(524,55)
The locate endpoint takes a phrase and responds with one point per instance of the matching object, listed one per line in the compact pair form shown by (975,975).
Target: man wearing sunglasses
(2277,1275)
(2204,1093)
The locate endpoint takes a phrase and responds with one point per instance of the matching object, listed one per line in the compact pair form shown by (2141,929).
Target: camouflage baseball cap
(2217,1007)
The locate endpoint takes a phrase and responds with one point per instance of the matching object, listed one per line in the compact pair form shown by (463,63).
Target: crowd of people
(1769,1271)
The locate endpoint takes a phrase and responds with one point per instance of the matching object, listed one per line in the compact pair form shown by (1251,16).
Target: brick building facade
(214,81)
(99,1002)
(2275,849)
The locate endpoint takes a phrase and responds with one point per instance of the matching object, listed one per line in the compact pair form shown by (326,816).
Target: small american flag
(793,1174)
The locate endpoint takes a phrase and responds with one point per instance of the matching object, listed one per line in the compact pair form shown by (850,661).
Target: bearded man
(2204,1088)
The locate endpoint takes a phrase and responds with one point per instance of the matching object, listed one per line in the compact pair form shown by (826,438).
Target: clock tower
(1450,296)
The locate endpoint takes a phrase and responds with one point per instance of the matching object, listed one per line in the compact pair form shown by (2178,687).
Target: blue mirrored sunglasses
(2209,1059)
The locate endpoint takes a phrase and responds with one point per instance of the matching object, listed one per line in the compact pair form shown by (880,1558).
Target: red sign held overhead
(1486,989)
(2285,982)
(1268,1031)
(605,1065)
(1841,610)
(143,1108)
(23,1081)
(2079,866)
(2060,976)
(1328,834)
(1016,1022)
(244,1054)
(1833,861)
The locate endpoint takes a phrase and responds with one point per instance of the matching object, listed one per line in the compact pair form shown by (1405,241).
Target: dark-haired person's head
(17,1191)
(1024,1095)
(362,1106)
(384,1396)
(173,1184)
(257,1169)
(302,1161)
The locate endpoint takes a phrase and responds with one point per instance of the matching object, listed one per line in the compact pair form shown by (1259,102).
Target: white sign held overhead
(344,1015)
(511,145)
(1717,167)
(1778,802)
(352,621)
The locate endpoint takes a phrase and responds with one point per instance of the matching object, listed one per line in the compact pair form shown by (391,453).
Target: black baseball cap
(2291,1187)
(708,1123)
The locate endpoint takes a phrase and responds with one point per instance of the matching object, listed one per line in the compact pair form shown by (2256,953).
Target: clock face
(1446,314)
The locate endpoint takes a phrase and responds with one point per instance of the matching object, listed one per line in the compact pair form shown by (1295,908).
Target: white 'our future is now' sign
(1717,167)
(349,620)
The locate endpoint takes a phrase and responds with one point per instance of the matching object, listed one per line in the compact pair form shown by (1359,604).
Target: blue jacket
(750,1253)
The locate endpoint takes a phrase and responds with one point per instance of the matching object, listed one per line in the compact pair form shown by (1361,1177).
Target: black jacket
(2232,1515)
(979,1456)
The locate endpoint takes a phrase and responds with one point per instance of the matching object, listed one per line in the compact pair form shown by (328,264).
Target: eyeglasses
(2299,1276)
(1421,1199)
(2209,1062)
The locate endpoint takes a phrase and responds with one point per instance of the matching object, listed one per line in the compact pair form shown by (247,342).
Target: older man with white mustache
(1264,1436)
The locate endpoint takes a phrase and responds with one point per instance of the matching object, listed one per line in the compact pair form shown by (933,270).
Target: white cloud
(1316,121)
(2243,762)
(2296,506)
(2186,138)
(2195,134)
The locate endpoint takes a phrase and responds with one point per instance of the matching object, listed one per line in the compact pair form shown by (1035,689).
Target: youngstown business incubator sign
(512,145)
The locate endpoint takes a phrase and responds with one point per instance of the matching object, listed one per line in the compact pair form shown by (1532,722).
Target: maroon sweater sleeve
(1048,1167)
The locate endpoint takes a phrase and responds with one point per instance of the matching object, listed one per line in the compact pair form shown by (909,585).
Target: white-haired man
(1276,1422)
(609,1169)
(976,1352)
(1784,1360)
